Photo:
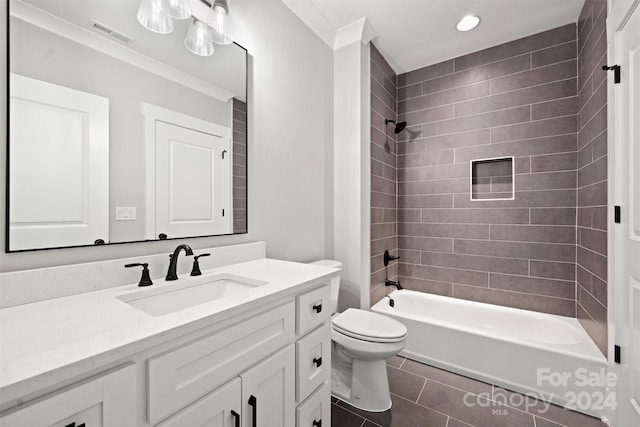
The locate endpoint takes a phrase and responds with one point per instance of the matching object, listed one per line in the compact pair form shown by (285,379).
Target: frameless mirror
(118,134)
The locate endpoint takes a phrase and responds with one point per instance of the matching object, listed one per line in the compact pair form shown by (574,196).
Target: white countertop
(42,342)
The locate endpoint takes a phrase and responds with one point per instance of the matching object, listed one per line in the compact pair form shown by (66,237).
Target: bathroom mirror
(118,134)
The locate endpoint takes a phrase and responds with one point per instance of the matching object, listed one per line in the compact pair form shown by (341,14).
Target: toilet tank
(335,282)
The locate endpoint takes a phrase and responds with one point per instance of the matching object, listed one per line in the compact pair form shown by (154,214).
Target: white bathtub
(548,356)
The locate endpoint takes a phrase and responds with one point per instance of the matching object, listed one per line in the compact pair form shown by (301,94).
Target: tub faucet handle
(388,257)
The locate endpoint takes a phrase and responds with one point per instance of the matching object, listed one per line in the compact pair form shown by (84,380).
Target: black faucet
(173,263)
(388,282)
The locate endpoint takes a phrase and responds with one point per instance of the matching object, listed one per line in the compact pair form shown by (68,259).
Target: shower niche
(492,179)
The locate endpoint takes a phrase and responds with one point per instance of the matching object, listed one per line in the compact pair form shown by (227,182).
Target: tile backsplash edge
(27,286)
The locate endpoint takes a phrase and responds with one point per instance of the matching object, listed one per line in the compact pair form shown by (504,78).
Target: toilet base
(369,390)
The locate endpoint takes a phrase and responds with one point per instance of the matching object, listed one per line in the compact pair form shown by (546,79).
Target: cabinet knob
(317,423)
(317,308)
(317,361)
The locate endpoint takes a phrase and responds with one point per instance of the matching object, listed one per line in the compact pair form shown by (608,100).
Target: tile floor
(424,396)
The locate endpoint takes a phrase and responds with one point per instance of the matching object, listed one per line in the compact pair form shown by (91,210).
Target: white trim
(152,114)
(84,36)
(619,14)
(358,31)
(513,176)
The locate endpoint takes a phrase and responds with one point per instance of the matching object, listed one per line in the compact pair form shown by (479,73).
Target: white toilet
(362,341)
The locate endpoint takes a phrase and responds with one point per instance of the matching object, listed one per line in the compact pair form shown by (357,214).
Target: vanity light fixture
(154,16)
(217,19)
(158,15)
(199,39)
(467,23)
(180,9)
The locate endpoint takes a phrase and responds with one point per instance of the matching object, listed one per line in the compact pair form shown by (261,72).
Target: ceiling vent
(110,32)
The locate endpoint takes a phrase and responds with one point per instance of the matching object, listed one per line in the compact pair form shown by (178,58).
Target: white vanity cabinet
(251,374)
(182,375)
(263,363)
(106,400)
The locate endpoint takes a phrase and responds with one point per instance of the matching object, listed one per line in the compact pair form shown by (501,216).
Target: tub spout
(388,282)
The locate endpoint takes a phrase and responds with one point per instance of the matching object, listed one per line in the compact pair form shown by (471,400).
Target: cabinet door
(108,400)
(220,408)
(268,391)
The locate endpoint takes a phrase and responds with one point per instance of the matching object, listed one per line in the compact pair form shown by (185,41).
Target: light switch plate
(125,213)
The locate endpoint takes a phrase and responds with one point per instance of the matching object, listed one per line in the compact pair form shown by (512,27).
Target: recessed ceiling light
(467,23)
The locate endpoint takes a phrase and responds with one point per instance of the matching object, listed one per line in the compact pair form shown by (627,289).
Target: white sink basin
(185,293)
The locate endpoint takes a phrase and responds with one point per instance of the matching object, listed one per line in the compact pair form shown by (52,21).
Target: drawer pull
(236,416)
(318,308)
(317,361)
(253,402)
(74,425)
(317,423)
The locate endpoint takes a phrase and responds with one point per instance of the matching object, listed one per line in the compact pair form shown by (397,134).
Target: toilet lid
(368,325)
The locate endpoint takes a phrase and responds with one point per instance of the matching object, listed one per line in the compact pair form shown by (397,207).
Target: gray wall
(516,99)
(592,172)
(384,233)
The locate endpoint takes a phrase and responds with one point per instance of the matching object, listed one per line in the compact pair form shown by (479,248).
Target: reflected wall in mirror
(84,150)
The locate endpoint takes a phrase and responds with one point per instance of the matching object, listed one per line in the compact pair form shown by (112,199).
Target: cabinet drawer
(108,400)
(316,410)
(181,376)
(313,361)
(314,308)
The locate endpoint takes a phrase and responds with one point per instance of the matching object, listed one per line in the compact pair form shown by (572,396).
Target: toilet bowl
(362,341)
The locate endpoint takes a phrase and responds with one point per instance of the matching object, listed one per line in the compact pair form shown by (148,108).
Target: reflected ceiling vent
(110,32)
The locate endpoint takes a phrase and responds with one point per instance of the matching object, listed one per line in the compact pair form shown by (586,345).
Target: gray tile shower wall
(383,173)
(239,166)
(592,172)
(517,99)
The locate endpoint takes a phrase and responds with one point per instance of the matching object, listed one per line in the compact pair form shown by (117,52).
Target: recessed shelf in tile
(492,179)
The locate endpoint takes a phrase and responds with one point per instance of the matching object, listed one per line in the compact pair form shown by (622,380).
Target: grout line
(422,389)
(422,406)
(402,363)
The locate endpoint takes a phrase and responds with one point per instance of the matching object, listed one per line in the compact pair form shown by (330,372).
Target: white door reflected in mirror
(188,172)
(59,165)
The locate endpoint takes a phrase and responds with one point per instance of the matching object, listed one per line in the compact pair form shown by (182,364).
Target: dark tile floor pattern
(424,396)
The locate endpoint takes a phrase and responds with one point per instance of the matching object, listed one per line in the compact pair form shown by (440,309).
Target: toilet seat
(368,326)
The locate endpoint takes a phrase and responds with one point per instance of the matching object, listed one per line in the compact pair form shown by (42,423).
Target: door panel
(269,386)
(192,182)
(626,234)
(59,170)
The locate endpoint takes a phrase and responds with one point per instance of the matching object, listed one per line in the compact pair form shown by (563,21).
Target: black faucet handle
(195,271)
(145,280)
(388,257)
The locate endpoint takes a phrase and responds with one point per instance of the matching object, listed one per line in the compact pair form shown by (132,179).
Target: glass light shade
(219,23)
(180,9)
(198,38)
(154,16)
